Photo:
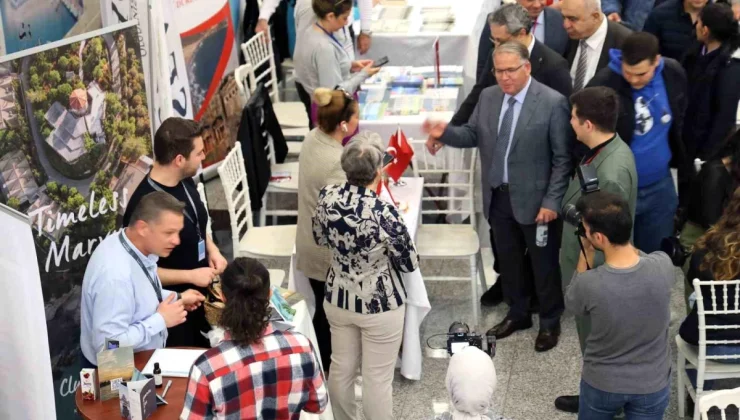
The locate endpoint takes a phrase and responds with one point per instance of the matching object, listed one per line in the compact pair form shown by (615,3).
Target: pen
(166,388)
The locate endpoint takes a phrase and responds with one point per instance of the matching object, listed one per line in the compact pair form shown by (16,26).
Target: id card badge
(201,250)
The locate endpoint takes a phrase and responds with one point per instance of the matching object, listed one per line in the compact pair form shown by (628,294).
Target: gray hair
(513,16)
(362,157)
(512,47)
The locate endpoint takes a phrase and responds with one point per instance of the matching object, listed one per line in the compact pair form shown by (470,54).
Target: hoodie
(653,121)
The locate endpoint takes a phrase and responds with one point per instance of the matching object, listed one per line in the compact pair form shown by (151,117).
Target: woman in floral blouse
(365,293)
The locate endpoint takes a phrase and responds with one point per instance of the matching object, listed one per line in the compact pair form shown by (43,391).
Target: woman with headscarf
(471,381)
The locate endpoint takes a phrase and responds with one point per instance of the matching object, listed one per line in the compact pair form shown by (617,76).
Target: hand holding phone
(381,62)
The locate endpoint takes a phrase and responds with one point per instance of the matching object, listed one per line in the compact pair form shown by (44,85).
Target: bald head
(581,18)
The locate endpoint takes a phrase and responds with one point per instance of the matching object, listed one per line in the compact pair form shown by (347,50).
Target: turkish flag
(403,154)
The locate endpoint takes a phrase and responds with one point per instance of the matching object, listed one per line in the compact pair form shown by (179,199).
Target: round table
(95,410)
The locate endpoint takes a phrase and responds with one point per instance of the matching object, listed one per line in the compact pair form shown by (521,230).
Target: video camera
(459,337)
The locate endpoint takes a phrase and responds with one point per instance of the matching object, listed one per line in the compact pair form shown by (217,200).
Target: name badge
(201,250)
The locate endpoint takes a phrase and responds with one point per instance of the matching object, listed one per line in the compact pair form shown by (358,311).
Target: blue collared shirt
(539,28)
(118,301)
(517,109)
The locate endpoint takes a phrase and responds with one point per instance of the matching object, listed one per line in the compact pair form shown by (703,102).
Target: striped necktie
(580,80)
(502,143)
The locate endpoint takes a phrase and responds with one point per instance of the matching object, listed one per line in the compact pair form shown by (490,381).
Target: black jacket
(548,68)
(676,89)
(257,122)
(711,190)
(714,92)
(615,36)
(673,27)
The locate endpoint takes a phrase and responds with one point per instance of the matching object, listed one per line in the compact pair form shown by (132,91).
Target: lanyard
(333,38)
(196,222)
(155,285)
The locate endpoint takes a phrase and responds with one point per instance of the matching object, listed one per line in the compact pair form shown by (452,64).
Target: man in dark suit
(547,28)
(592,35)
(521,129)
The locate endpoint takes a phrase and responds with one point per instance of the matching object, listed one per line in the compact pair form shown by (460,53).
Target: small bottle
(541,235)
(157,376)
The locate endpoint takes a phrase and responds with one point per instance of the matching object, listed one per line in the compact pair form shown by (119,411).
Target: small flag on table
(400,148)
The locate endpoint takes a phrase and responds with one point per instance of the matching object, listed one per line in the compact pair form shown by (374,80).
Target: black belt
(502,188)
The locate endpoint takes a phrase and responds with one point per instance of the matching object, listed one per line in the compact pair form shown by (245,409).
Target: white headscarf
(471,381)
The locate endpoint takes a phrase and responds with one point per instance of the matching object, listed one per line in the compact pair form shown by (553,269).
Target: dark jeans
(656,206)
(306,100)
(321,324)
(520,284)
(595,404)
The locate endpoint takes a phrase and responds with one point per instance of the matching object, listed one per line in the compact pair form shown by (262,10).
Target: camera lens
(571,215)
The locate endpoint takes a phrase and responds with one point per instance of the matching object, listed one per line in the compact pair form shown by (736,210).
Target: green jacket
(615,168)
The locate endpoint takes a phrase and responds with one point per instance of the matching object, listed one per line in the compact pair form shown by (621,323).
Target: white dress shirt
(539,27)
(595,45)
(519,97)
(530,47)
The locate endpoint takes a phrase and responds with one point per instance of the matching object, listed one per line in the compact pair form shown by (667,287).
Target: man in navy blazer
(547,28)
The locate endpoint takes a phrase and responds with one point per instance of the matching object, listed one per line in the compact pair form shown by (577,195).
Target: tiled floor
(528,382)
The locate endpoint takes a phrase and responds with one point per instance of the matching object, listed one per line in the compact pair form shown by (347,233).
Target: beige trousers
(370,341)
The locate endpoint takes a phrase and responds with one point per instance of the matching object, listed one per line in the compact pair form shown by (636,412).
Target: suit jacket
(555,38)
(539,160)
(615,168)
(615,35)
(548,68)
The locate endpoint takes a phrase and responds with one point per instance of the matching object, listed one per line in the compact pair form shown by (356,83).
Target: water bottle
(541,236)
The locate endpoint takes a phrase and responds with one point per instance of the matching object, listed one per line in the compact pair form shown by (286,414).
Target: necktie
(502,143)
(582,67)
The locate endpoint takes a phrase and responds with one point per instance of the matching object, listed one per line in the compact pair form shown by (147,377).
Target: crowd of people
(640,97)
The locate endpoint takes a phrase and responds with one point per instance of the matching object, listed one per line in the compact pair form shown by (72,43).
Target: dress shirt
(595,44)
(119,302)
(530,47)
(519,97)
(539,27)
(366,13)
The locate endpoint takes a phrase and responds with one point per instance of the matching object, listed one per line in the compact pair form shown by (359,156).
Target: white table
(417,303)
(458,46)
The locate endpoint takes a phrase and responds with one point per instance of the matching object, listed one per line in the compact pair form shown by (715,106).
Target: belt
(502,188)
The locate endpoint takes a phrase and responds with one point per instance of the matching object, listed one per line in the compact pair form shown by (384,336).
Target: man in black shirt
(178,151)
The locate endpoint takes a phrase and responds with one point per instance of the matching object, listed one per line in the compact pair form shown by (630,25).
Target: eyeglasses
(508,72)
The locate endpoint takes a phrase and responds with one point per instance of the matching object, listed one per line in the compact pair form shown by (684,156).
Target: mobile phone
(387,159)
(381,62)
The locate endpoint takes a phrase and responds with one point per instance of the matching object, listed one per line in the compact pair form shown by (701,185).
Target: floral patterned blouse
(370,246)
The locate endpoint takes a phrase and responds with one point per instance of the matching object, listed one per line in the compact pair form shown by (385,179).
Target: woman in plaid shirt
(257,372)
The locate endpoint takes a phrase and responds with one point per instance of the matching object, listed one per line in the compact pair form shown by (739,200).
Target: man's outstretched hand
(435,130)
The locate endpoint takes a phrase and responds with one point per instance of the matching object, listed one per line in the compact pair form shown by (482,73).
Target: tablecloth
(456,47)
(409,190)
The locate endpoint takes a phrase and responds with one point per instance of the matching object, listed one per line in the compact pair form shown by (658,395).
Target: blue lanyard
(333,38)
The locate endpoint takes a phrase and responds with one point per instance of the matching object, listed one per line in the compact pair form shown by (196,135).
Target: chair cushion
(290,185)
(691,353)
(277,277)
(291,114)
(294,148)
(446,241)
(269,241)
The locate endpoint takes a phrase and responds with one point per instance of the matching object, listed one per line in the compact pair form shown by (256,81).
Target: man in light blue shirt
(122,296)
(518,99)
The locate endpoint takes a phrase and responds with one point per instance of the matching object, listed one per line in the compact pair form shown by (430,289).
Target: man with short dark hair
(627,362)
(122,297)
(196,261)
(594,120)
(520,127)
(652,91)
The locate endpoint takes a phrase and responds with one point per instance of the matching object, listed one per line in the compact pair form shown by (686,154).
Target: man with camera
(627,361)
(608,165)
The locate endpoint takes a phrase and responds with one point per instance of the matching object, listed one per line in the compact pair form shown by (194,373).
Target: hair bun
(322,96)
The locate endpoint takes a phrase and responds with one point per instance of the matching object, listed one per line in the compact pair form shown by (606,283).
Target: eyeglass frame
(348,98)
(509,72)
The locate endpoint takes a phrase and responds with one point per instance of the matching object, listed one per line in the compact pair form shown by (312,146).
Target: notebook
(175,363)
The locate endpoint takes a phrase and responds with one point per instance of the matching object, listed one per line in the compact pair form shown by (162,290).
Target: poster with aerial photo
(29,23)
(74,144)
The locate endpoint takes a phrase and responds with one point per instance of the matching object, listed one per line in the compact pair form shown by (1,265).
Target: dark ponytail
(720,20)
(246,288)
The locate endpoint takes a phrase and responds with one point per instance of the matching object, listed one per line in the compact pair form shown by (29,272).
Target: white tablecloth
(410,191)
(459,46)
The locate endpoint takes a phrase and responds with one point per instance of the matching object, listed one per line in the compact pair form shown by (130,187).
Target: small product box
(89,384)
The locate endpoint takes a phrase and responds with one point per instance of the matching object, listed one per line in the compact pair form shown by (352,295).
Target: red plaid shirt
(274,379)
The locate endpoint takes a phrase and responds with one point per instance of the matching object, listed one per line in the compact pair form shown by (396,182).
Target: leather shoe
(494,295)
(547,339)
(509,326)
(567,403)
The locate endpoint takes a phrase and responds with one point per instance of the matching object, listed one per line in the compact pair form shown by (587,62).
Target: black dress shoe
(547,339)
(494,295)
(508,327)
(567,403)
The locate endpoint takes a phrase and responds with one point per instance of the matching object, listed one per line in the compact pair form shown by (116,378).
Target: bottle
(157,376)
(541,235)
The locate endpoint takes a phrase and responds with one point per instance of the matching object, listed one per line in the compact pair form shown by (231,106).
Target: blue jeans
(595,404)
(656,206)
